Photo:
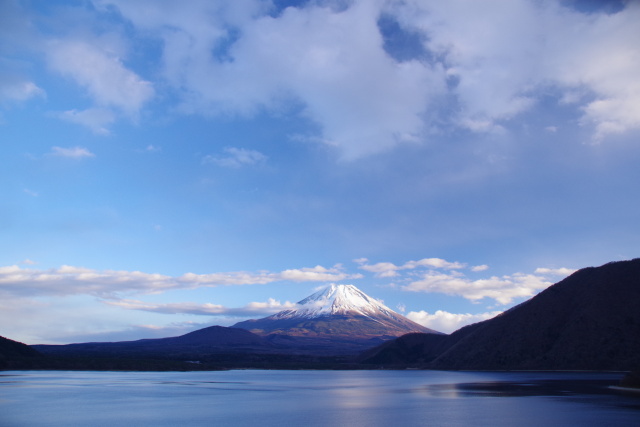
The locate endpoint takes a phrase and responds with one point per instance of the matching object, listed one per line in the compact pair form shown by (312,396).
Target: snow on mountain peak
(337,299)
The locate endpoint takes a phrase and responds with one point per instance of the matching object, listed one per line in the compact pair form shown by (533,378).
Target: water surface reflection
(313,398)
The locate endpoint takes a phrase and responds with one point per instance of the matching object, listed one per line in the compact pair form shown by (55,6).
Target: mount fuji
(339,321)
(339,314)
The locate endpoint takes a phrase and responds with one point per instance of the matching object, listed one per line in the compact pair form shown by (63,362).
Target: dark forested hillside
(590,320)
(15,355)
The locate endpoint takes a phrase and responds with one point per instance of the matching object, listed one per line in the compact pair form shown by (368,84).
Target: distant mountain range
(338,320)
(590,320)
(211,340)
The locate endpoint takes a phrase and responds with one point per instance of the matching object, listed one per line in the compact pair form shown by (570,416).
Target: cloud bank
(336,64)
(49,293)
(257,309)
(504,289)
(436,275)
(70,280)
(474,66)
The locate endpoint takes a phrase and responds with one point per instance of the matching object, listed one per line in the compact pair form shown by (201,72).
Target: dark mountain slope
(590,320)
(414,349)
(213,336)
(16,355)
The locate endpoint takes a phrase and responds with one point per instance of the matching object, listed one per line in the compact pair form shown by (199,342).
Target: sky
(171,165)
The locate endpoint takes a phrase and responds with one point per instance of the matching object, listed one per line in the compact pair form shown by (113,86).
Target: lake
(313,398)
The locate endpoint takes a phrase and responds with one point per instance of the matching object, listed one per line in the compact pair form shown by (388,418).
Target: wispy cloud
(36,291)
(236,157)
(72,152)
(152,148)
(555,271)
(97,65)
(129,333)
(443,321)
(437,275)
(502,289)
(15,88)
(70,280)
(271,306)
(388,269)
(96,119)
(112,284)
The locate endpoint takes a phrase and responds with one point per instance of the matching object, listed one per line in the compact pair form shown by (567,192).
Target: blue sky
(170,165)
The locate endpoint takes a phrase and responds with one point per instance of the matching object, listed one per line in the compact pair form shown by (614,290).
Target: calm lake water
(313,398)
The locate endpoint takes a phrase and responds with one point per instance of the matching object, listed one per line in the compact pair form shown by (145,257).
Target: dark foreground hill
(590,320)
(16,355)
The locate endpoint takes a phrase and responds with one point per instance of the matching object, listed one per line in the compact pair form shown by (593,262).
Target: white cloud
(526,45)
(16,88)
(433,263)
(260,309)
(478,268)
(70,280)
(555,271)
(72,153)
(36,320)
(96,119)
(127,333)
(502,289)
(316,274)
(329,64)
(604,59)
(388,269)
(446,322)
(98,68)
(335,64)
(329,61)
(237,157)
(15,38)
(382,269)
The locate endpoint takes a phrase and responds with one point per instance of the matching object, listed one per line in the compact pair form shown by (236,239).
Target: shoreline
(625,389)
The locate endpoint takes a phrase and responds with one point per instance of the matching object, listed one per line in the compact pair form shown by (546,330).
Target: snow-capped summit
(336,299)
(336,313)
